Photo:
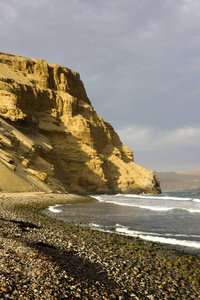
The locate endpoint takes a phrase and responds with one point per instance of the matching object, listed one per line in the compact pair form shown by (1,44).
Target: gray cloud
(139,61)
(179,147)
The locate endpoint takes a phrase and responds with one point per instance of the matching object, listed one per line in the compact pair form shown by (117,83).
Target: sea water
(172,218)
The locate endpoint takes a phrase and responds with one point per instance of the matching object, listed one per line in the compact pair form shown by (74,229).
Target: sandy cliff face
(51,138)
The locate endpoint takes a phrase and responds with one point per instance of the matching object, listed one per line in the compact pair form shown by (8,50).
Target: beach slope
(42,258)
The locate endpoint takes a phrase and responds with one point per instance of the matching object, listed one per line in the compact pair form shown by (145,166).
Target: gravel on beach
(44,258)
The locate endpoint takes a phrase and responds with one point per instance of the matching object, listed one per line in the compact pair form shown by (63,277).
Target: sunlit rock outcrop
(52,139)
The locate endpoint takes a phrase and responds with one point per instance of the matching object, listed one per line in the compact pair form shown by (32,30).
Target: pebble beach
(44,258)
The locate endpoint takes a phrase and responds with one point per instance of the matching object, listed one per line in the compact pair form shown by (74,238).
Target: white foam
(155,233)
(98,197)
(193,210)
(153,208)
(161,197)
(106,198)
(54,208)
(196,200)
(94,225)
(158,239)
(157,208)
(154,237)
(109,199)
(185,235)
(125,229)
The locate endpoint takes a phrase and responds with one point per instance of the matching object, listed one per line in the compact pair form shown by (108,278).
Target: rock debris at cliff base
(52,139)
(43,258)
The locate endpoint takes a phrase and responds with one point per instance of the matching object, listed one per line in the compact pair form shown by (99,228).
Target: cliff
(52,139)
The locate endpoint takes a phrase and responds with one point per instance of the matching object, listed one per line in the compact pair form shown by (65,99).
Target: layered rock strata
(51,138)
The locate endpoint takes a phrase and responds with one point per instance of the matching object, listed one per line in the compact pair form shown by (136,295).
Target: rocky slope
(51,138)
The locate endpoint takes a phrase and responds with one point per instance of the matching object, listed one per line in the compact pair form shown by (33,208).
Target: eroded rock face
(49,122)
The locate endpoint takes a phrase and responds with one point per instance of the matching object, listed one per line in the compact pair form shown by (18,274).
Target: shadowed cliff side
(54,138)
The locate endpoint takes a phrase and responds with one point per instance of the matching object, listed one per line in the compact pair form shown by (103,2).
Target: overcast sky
(139,61)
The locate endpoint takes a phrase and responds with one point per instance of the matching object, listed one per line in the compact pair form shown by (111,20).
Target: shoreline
(45,258)
(187,245)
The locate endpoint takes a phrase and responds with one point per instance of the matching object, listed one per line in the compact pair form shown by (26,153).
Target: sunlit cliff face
(56,139)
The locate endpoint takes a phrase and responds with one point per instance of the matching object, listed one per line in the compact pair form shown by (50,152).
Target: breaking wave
(156,238)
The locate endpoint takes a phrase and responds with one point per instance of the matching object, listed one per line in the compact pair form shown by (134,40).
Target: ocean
(172,218)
